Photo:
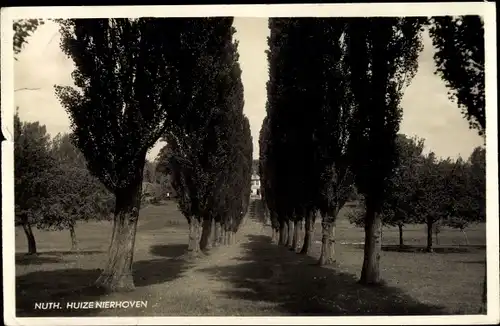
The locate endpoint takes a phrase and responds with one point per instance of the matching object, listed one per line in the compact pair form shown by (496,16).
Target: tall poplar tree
(382,57)
(206,127)
(125,80)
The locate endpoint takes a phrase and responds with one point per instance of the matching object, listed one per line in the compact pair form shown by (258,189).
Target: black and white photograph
(283,164)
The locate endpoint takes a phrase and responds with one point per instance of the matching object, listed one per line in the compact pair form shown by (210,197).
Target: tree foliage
(65,152)
(23,29)
(477,164)
(459,43)
(304,158)
(398,208)
(460,60)
(431,191)
(399,205)
(34,168)
(208,149)
(266,166)
(75,194)
(466,180)
(381,54)
(279,172)
(78,196)
(127,81)
(118,109)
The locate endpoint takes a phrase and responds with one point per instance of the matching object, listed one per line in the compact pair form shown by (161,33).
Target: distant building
(255,186)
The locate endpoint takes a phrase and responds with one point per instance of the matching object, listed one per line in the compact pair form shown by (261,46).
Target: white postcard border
(487,10)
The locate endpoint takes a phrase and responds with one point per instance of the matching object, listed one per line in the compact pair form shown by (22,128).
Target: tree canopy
(34,168)
(208,151)
(23,29)
(381,54)
(459,56)
(127,77)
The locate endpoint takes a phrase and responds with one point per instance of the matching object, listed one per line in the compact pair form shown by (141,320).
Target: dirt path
(201,289)
(255,277)
(198,292)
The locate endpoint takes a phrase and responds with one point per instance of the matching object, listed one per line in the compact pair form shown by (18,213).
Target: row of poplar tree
(333,115)
(138,81)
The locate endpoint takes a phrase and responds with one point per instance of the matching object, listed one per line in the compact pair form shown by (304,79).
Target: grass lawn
(449,279)
(452,276)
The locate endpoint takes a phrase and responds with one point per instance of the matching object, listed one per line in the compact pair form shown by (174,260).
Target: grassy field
(450,277)
(239,280)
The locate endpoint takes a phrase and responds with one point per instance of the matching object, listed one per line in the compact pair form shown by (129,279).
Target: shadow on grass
(51,257)
(479,262)
(77,285)
(170,251)
(157,271)
(29,259)
(72,252)
(423,249)
(299,287)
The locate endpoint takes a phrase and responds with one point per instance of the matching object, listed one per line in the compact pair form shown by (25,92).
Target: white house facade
(255,186)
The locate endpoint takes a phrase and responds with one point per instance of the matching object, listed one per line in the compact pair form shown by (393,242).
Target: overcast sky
(428,113)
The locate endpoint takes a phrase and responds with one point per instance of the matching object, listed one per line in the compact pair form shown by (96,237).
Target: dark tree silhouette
(205,130)
(280,175)
(382,58)
(125,79)
(459,43)
(23,29)
(266,175)
(333,123)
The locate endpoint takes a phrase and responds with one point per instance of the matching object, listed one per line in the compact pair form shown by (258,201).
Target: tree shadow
(170,251)
(297,286)
(77,285)
(27,259)
(60,285)
(478,262)
(157,271)
(423,249)
(71,252)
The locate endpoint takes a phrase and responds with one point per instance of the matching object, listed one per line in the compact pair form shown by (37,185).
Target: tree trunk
(206,234)
(74,242)
(429,234)
(327,256)
(401,242)
(297,226)
(465,236)
(217,233)
(30,237)
(282,235)
(274,235)
(307,234)
(117,275)
(370,273)
(194,236)
(228,238)
(289,240)
(436,233)
(223,236)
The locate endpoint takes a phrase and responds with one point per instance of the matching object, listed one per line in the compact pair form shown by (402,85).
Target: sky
(427,111)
